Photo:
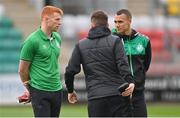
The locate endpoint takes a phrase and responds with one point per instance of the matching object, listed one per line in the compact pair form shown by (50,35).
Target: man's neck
(128,33)
(46,31)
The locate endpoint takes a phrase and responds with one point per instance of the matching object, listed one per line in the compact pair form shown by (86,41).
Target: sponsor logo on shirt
(44,46)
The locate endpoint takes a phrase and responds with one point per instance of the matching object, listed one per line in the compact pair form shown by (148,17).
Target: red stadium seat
(159,52)
(82,34)
(174,38)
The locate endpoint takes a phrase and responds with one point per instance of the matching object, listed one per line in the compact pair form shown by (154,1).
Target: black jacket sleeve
(122,62)
(72,69)
(147,56)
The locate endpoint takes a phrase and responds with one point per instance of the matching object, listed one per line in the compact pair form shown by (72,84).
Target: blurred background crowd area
(158,19)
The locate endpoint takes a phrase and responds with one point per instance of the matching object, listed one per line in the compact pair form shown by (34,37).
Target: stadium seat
(9,68)
(10,33)
(161,56)
(157,44)
(173,7)
(10,44)
(82,34)
(174,38)
(159,52)
(155,36)
(9,56)
(6,22)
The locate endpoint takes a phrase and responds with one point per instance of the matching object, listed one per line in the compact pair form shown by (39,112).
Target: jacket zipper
(130,58)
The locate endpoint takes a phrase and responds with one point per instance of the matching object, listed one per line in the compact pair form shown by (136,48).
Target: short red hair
(49,10)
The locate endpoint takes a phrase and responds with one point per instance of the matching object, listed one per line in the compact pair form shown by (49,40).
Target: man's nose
(117,24)
(60,22)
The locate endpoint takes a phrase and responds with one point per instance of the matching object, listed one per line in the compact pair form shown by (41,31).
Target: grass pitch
(80,110)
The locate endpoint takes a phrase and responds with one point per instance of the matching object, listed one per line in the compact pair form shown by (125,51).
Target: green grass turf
(67,110)
(80,110)
(164,110)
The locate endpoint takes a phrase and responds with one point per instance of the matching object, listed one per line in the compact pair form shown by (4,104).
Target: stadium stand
(82,34)
(174,39)
(173,7)
(159,52)
(1,10)
(10,38)
(6,22)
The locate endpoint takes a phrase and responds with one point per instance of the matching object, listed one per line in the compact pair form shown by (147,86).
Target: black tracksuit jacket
(104,63)
(138,50)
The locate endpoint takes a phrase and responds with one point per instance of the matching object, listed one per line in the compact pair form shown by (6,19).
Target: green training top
(43,54)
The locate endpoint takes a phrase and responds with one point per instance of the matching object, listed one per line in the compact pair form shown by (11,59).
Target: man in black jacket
(106,68)
(138,50)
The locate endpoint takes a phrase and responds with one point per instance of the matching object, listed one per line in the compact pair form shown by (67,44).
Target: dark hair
(99,18)
(124,11)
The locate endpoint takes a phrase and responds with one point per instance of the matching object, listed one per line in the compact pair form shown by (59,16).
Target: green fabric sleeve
(28,50)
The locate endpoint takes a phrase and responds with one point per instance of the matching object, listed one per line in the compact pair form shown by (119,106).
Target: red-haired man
(38,66)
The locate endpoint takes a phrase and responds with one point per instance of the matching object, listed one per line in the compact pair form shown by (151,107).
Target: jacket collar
(98,32)
(125,37)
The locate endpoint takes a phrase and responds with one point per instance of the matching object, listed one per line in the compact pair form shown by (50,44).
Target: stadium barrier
(162,89)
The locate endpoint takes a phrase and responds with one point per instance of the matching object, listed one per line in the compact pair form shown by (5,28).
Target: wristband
(25,83)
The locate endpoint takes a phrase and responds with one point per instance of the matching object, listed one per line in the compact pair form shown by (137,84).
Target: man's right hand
(129,90)
(24,98)
(72,97)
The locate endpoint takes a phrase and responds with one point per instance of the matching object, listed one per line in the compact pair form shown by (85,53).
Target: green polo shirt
(43,54)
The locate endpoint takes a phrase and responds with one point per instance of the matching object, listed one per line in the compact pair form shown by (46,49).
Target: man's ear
(45,18)
(107,24)
(92,24)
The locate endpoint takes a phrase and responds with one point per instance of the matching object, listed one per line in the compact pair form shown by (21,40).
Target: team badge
(139,48)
